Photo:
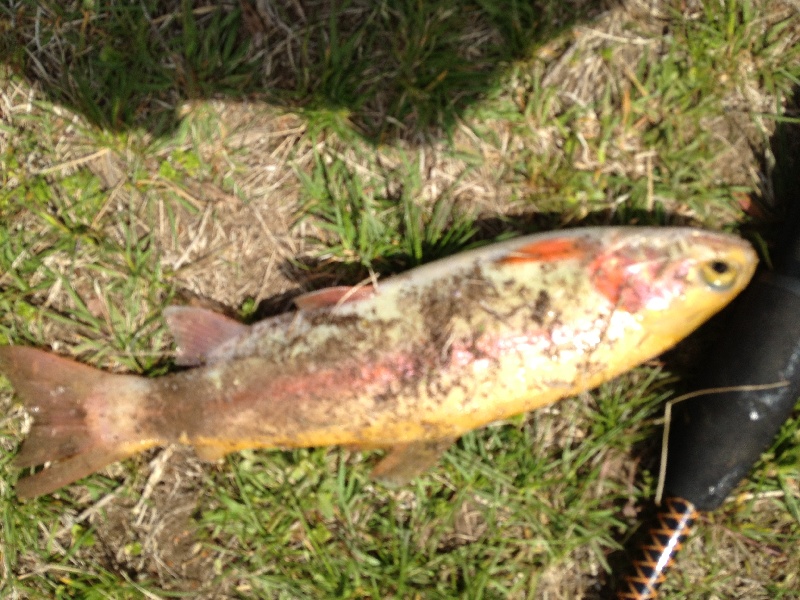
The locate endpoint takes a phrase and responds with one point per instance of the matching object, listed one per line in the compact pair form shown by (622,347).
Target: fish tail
(83,418)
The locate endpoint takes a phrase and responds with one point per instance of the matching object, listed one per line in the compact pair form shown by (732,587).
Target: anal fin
(404,462)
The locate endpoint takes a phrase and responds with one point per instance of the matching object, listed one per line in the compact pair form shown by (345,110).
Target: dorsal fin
(199,331)
(332,296)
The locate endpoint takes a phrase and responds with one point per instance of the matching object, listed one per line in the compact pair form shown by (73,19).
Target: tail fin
(83,418)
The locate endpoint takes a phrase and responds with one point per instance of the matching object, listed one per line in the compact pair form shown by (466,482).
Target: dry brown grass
(571,135)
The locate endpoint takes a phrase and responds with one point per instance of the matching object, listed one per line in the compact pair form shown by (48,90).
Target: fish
(406,364)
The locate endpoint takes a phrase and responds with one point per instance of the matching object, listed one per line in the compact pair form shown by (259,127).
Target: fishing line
(707,392)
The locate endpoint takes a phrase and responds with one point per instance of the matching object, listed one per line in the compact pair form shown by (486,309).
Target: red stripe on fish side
(547,251)
(348,378)
(246,407)
(608,276)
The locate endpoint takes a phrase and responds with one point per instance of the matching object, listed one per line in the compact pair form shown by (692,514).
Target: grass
(237,156)
(375,221)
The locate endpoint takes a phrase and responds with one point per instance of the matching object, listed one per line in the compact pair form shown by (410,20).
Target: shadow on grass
(385,69)
(785,179)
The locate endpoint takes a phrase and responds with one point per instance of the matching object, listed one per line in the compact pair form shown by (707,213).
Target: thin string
(668,418)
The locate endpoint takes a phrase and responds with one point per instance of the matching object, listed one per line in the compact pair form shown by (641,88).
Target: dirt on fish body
(408,364)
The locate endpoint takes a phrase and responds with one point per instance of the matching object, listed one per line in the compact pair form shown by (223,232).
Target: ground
(235,155)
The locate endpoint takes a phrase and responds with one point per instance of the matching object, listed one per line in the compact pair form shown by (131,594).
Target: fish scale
(408,364)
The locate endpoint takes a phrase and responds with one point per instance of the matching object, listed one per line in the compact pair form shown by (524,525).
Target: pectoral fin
(406,461)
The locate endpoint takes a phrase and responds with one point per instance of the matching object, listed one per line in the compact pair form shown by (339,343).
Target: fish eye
(719,274)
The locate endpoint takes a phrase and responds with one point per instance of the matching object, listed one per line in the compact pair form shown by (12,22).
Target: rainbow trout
(407,364)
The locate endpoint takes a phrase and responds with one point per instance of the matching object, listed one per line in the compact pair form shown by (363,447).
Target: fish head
(672,279)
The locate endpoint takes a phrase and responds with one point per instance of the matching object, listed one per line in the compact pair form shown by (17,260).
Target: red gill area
(628,277)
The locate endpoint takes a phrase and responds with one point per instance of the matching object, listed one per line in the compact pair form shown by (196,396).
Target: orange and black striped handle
(673,523)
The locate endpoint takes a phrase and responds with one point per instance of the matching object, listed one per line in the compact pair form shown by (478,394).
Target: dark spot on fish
(68,448)
(589,367)
(317,318)
(541,307)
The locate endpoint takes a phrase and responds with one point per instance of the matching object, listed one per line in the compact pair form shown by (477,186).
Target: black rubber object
(715,438)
